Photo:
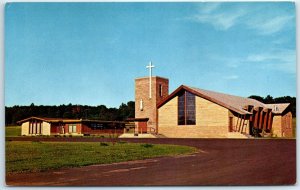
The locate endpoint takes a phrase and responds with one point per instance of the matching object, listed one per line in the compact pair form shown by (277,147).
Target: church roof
(231,102)
(50,120)
(65,120)
(278,108)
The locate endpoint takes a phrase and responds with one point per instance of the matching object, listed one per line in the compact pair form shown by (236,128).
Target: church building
(187,112)
(191,112)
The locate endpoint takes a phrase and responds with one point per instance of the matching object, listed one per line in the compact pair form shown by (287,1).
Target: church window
(141,105)
(160,90)
(186,108)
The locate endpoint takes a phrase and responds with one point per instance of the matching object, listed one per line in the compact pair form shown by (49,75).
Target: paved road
(218,162)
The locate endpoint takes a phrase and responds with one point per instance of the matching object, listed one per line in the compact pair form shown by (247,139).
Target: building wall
(287,125)
(167,116)
(149,104)
(276,126)
(210,114)
(25,128)
(85,129)
(54,129)
(46,128)
(211,120)
(236,123)
(78,128)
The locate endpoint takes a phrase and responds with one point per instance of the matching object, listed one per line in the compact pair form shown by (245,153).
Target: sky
(90,53)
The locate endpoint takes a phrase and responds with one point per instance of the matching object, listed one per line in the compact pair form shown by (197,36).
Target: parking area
(217,162)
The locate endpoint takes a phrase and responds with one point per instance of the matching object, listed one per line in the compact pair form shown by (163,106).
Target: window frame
(187,113)
(71,128)
(160,90)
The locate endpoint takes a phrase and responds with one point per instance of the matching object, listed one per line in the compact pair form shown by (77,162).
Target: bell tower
(149,91)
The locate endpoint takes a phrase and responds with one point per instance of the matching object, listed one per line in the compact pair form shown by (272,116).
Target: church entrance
(142,126)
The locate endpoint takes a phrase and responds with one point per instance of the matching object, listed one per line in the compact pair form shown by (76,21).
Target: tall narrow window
(141,105)
(186,108)
(181,109)
(160,90)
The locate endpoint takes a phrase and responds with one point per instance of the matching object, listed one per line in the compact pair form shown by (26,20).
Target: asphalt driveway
(218,162)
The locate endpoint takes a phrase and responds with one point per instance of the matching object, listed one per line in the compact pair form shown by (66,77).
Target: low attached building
(58,126)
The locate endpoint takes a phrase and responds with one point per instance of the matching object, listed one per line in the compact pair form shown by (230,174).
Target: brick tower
(149,91)
(145,107)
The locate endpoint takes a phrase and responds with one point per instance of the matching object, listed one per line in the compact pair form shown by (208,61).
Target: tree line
(284,99)
(101,112)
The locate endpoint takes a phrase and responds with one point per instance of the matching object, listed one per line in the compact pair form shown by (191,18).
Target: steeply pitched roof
(231,102)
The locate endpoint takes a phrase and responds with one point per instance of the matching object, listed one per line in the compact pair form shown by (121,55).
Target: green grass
(294,127)
(41,156)
(12,131)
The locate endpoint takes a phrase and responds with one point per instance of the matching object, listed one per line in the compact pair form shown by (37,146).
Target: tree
(268,100)
(259,98)
(284,99)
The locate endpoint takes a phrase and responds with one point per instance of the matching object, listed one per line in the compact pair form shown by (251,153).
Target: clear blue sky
(91,53)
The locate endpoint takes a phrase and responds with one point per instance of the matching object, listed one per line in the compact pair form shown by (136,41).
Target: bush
(147,145)
(122,142)
(103,144)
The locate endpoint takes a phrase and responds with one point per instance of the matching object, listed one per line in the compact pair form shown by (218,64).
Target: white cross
(150,66)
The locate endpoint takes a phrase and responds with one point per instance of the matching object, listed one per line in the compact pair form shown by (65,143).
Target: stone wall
(167,115)
(276,126)
(211,120)
(210,114)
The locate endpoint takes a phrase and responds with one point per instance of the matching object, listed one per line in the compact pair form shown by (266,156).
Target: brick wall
(149,105)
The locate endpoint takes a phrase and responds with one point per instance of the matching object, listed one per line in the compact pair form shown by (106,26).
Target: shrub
(122,142)
(103,144)
(147,145)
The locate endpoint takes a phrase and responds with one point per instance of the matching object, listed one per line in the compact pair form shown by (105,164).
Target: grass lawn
(12,131)
(41,156)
